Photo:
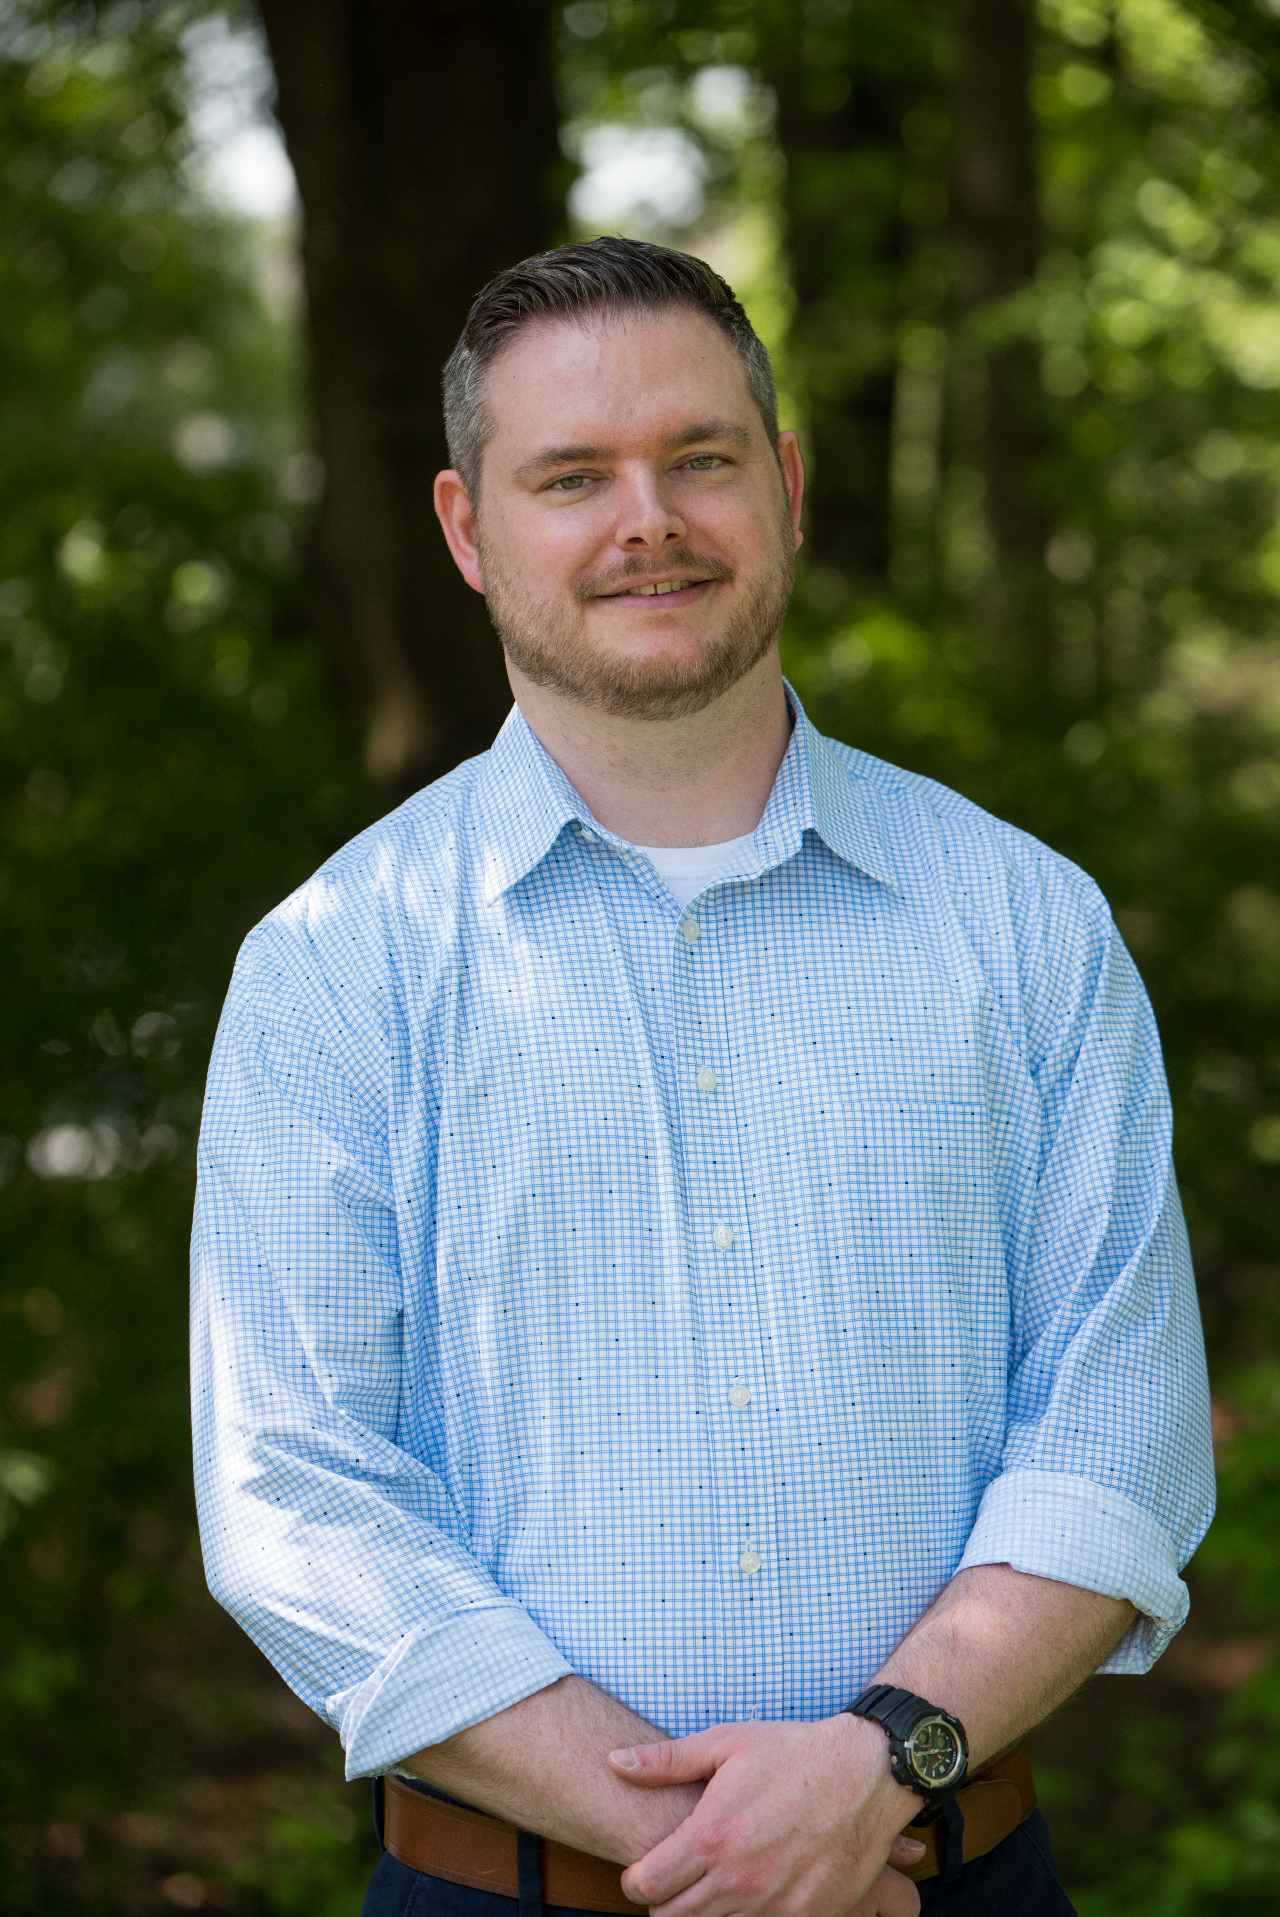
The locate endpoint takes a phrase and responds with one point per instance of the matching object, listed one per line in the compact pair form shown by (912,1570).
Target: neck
(690,781)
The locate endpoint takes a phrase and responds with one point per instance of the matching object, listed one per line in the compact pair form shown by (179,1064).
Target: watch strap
(895,1710)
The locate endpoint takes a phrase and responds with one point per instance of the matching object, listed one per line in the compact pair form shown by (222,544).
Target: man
(686,1240)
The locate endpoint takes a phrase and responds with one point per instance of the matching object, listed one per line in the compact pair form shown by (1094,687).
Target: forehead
(625,376)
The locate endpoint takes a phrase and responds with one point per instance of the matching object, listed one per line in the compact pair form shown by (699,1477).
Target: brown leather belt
(996,1800)
(466,1847)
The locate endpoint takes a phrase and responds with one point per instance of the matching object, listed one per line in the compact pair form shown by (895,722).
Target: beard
(547,641)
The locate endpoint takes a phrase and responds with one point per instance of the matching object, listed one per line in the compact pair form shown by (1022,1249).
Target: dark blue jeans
(1019,1878)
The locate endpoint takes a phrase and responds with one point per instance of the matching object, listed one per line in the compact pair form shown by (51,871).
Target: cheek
(550,550)
(741,524)
(522,549)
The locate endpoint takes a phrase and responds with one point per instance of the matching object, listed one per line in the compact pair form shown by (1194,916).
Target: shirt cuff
(441,1679)
(1074,1531)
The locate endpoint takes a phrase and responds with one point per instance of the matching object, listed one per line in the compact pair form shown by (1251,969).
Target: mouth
(661,589)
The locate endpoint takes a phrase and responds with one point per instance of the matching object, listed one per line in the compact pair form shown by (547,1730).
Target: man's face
(636,539)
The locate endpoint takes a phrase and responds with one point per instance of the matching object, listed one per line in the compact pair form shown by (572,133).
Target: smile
(658,590)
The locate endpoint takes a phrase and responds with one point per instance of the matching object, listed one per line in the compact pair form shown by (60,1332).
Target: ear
(458,521)
(792,477)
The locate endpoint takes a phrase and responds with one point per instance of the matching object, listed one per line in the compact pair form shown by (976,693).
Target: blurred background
(1019,272)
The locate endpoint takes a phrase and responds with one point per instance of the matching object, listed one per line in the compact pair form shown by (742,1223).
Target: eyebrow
(693,435)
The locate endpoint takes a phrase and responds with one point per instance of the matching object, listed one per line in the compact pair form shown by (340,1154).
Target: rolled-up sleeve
(344,1557)
(1107,1480)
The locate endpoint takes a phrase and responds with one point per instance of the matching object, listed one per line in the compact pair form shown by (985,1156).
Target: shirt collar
(524,801)
(845,810)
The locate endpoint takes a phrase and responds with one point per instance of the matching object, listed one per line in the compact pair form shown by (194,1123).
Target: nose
(647,521)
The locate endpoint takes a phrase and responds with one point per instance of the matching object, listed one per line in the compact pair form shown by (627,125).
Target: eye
(568,483)
(704,462)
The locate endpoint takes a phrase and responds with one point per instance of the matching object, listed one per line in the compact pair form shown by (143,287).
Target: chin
(679,653)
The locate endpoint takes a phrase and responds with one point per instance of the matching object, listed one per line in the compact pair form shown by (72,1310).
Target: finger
(681,1760)
(672,1866)
(905,1851)
(645,1884)
(894,1896)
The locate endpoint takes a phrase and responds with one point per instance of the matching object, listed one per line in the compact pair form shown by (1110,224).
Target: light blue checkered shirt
(680,1298)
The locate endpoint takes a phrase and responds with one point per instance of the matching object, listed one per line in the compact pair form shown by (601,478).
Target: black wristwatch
(928,1750)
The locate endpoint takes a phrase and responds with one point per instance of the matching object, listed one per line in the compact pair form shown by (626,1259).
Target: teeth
(649,592)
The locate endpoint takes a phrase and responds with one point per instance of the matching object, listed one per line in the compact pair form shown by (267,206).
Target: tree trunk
(843,90)
(424,138)
(995,221)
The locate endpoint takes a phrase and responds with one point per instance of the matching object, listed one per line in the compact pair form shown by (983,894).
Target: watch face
(935,1751)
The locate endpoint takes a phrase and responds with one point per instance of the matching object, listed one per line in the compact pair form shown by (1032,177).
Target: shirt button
(722,1237)
(739,1397)
(692,931)
(706,1080)
(750,1562)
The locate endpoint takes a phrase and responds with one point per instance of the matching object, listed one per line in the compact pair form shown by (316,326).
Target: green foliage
(170,770)
(1220,1848)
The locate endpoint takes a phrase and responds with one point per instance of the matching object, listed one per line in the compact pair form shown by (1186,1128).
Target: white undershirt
(687,870)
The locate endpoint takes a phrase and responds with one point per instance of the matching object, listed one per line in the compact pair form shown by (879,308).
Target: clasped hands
(796,1820)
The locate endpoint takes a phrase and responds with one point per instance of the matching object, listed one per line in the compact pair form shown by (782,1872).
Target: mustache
(635,571)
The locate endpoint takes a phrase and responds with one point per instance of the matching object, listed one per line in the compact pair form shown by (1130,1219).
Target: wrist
(861,1751)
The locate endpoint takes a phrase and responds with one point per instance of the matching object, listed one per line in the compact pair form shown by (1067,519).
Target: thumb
(679,1760)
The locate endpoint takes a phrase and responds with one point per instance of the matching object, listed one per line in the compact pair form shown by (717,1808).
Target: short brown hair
(587,277)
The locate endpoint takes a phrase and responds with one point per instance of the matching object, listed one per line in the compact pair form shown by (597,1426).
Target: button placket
(718,1209)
